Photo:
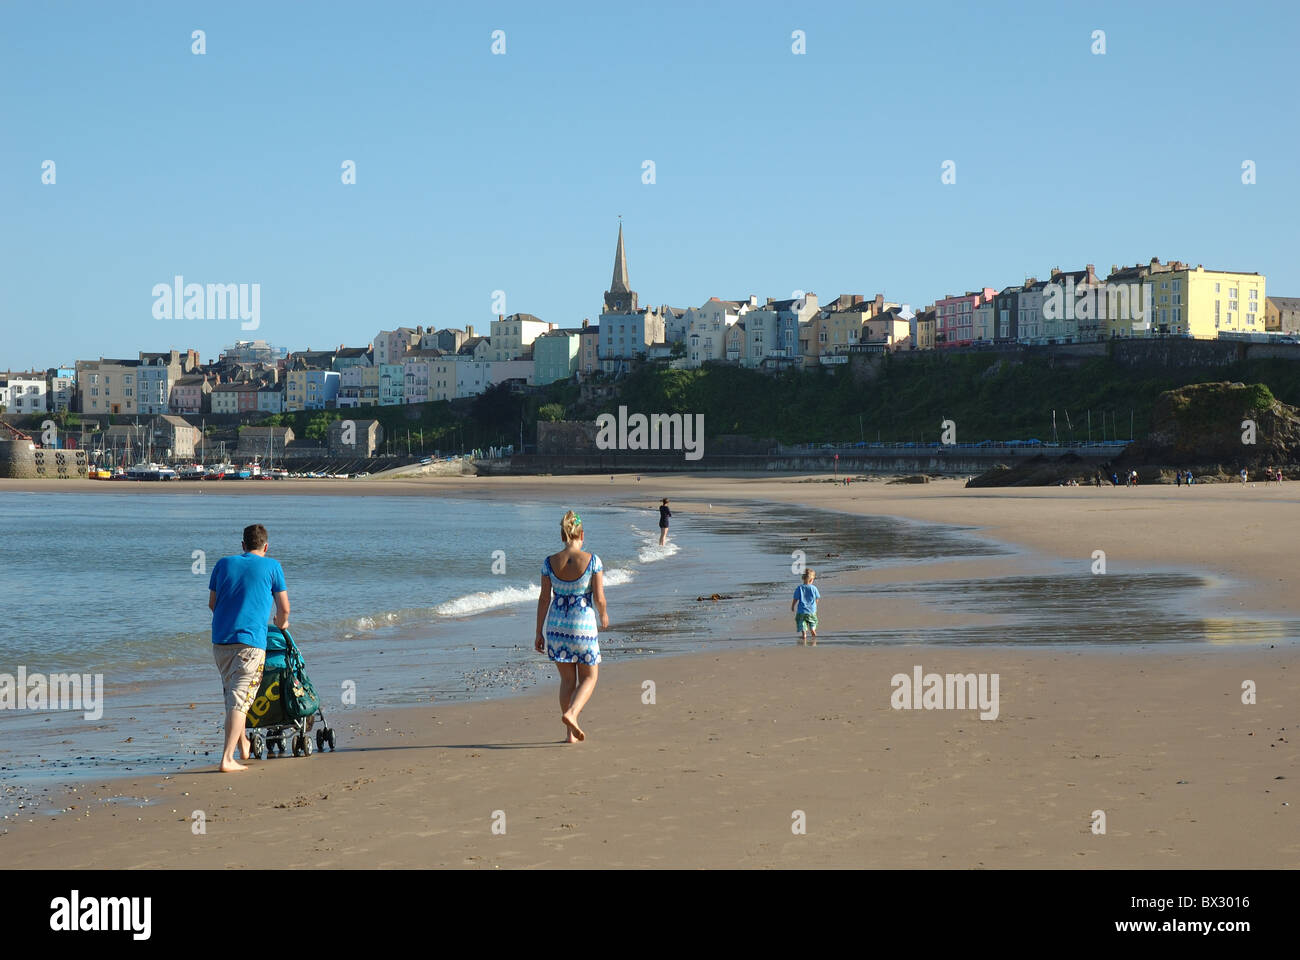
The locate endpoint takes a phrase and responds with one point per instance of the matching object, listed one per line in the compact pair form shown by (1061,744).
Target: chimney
(1114,268)
(500,318)
(584,323)
(879,303)
(1056,271)
(469,331)
(340,348)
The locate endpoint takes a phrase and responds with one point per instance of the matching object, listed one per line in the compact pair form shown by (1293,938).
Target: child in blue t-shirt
(804,606)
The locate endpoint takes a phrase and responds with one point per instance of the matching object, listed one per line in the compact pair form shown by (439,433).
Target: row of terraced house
(408,365)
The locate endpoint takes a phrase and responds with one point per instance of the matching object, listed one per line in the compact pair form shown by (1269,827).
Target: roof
(1286,303)
(423,353)
(176,421)
(348,352)
(472,342)
(263,431)
(359,423)
(528,317)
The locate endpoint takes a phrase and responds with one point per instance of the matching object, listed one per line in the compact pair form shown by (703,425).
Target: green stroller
(286,707)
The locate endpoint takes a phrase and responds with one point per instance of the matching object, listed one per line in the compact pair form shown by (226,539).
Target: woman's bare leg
(568,683)
(663,535)
(586,686)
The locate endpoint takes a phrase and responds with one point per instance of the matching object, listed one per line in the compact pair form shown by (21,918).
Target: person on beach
(573,592)
(243,592)
(804,606)
(1178,478)
(1243,474)
(664,515)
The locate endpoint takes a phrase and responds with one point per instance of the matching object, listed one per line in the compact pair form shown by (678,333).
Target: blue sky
(478,172)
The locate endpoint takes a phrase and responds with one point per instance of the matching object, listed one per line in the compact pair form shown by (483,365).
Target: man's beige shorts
(241,673)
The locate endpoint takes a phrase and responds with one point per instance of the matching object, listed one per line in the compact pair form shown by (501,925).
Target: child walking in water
(804,606)
(573,592)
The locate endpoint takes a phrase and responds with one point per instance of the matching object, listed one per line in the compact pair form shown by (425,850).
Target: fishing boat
(150,471)
(219,471)
(191,471)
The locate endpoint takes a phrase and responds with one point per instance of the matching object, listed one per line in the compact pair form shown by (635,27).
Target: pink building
(954,318)
(190,394)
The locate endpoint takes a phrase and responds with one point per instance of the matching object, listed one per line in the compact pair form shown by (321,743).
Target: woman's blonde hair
(571,527)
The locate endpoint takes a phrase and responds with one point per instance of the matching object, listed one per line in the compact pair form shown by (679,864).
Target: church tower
(619,298)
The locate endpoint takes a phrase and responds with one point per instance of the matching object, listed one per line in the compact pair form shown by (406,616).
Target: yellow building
(1203,303)
(1176,299)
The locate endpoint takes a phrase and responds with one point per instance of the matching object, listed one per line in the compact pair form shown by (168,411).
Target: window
(1254,294)
(1178,285)
(1216,288)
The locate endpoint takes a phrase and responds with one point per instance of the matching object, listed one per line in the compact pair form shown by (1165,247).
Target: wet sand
(714,772)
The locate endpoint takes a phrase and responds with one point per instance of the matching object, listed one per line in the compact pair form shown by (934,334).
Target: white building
(774,330)
(417,374)
(27,394)
(509,336)
(706,334)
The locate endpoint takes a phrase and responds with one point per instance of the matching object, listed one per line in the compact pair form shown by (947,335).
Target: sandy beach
(744,746)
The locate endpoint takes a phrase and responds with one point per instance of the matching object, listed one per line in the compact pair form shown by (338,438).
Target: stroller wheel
(329,736)
(306,746)
(320,741)
(297,745)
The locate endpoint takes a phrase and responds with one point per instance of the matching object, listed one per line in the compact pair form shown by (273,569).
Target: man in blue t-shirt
(242,593)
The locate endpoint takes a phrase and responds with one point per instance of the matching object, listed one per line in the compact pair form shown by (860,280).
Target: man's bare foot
(232,766)
(574,729)
(570,738)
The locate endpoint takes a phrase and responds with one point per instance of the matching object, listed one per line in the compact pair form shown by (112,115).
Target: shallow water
(395,597)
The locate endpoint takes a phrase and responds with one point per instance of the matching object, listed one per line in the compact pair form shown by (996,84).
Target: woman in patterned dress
(573,592)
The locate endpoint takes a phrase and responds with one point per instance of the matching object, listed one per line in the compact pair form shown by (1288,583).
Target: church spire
(620,298)
(619,283)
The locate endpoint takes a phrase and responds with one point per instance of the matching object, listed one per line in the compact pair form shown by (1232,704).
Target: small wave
(365,623)
(650,551)
(507,596)
(478,602)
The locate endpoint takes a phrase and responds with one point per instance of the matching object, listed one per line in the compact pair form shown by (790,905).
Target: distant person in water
(664,515)
(573,593)
(804,606)
(243,591)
